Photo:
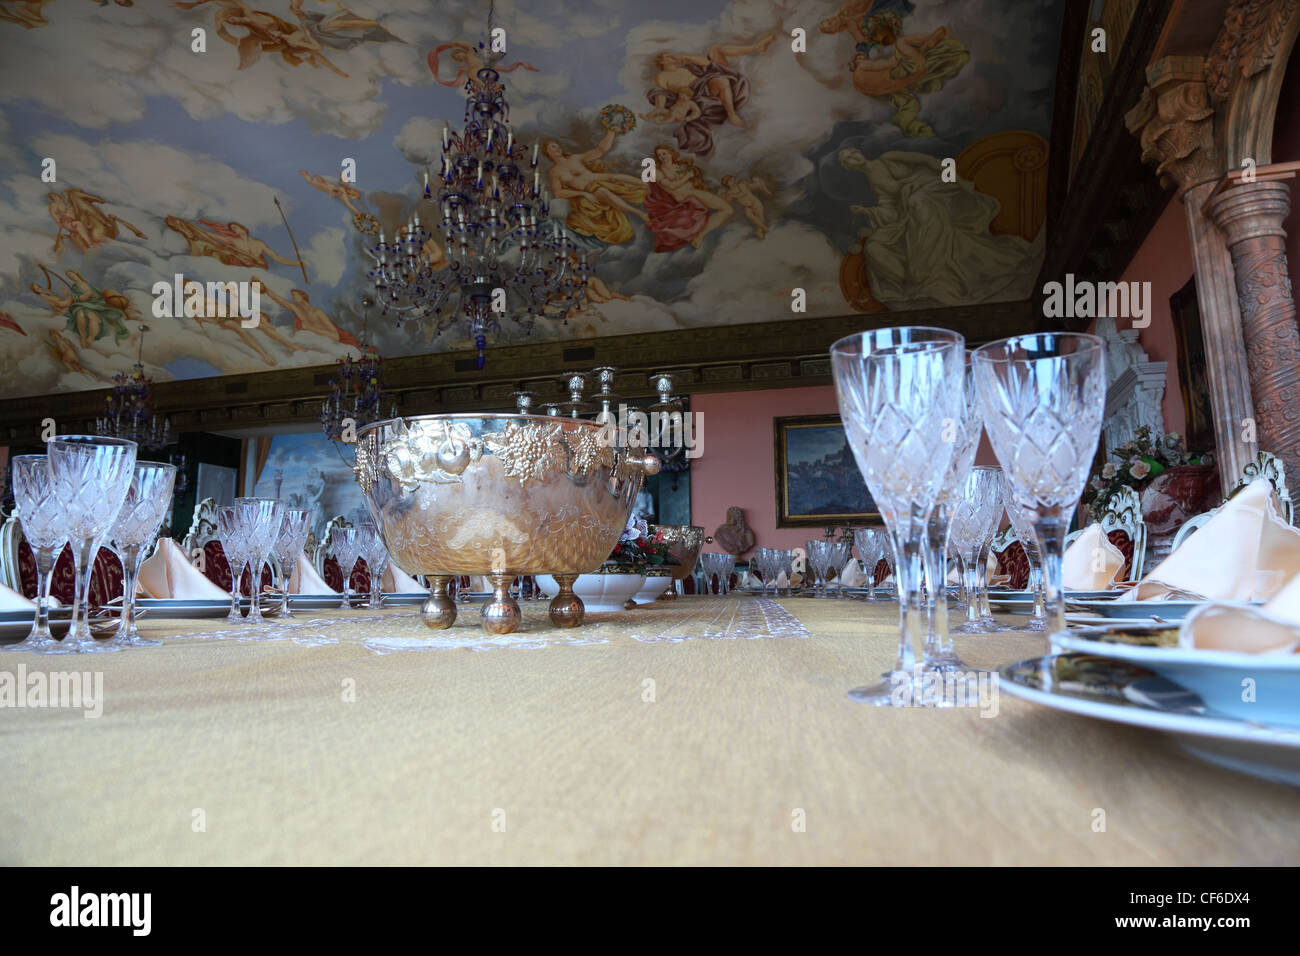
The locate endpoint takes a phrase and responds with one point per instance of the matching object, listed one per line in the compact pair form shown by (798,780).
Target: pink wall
(738,465)
(1164,260)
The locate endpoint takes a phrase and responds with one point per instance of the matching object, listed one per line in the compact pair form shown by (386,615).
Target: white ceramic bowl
(655,585)
(599,592)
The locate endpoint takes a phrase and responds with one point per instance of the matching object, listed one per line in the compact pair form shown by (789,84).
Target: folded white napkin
(1244,552)
(1273,628)
(11,600)
(168,573)
(305,580)
(397,581)
(1091,562)
(852,576)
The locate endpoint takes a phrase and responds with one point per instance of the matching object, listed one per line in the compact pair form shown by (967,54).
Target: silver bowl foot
(567,609)
(439,610)
(501,614)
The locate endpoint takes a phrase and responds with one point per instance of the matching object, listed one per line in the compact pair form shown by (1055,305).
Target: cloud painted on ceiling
(820,170)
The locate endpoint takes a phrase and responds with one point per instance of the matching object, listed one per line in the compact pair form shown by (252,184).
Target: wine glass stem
(44,577)
(936,572)
(908,552)
(255,587)
(84,560)
(982,590)
(132,555)
(235,576)
(1050,531)
(970,570)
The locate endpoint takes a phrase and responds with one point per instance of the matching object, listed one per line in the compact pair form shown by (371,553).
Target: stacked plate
(1239,711)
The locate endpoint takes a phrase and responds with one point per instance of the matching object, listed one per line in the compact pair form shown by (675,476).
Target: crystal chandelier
(129,413)
(504,254)
(356,395)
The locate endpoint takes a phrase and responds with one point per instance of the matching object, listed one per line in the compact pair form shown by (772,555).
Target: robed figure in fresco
(700,92)
(600,202)
(894,67)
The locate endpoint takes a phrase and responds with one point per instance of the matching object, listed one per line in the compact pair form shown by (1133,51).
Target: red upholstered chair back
(217,570)
(1120,539)
(359,582)
(881,572)
(105,576)
(215,566)
(1012,560)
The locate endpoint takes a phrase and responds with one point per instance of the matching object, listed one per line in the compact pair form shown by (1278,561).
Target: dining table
(702,730)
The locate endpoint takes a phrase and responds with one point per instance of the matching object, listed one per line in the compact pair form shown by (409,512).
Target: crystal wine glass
(726,565)
(898,390)
(871,544)
(815,558)
(347,548)
(39,506)
(147,502)
(92,475)
(1023,525)
(1043,398)
(964,431)
(375,554)
(260,518)
(295,526)
(975,515)
(231,532)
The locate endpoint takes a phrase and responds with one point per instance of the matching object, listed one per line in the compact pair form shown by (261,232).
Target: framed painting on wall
(216,481)
(818,483)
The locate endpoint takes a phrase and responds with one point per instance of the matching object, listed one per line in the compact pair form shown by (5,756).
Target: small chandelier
(129,413)
(356,391)
(356,394)
(505,254)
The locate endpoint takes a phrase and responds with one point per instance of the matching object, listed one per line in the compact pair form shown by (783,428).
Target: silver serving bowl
(498,495)
(685,542)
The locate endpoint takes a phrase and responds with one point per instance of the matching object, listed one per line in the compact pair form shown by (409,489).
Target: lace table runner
(401,630)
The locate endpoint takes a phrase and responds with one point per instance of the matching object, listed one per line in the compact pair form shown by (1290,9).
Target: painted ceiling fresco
(817,170)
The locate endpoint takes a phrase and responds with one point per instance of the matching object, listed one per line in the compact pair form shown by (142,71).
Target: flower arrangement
(637,546)
(1137,463)
(617,119)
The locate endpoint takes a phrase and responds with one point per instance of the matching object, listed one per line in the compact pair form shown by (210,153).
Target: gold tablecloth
(244,752)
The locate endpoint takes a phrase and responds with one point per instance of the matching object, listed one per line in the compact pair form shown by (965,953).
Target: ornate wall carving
(1174,123)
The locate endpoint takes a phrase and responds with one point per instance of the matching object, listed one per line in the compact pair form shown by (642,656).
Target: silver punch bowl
(498,495)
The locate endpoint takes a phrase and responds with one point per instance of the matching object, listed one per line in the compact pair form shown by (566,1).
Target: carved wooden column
(1250,216)
(1175,125)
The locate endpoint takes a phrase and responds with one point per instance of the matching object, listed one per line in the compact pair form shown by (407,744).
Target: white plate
(1018,597)
(1144,699)
(17,624)
(1262,688)
(185,607)
(1171,611)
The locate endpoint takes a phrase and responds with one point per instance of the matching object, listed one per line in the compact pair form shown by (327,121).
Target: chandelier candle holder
(129,413)
(669,409)
(356,393)
(576,406)
(524,401)
(506,255)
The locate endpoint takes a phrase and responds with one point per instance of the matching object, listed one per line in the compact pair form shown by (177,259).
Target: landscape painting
(818,483)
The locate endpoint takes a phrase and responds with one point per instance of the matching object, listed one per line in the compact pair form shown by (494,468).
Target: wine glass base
(34,644)
(920,687)
(84,646)
(1037,625)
